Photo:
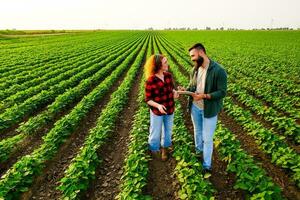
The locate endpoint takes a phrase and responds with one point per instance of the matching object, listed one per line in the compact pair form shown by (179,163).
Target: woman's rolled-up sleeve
(148,91)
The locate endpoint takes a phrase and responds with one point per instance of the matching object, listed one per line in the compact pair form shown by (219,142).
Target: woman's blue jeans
(160,131)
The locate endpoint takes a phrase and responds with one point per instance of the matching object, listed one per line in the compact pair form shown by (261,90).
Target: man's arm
(221,86)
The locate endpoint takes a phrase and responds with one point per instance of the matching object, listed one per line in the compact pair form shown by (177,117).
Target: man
(208,81)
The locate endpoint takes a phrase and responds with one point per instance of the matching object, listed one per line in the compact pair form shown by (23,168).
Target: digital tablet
(185,92)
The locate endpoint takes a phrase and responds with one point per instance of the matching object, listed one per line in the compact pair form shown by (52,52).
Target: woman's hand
(180,88)
(162,109)
(175,94)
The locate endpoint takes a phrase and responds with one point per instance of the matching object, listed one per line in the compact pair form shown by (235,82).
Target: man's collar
(211,64)
(207,66)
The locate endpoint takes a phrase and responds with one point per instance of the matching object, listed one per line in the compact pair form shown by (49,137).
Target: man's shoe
(170,149)
(206,171)
(164,154)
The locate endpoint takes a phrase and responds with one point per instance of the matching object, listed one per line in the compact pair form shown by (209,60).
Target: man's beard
(198,63)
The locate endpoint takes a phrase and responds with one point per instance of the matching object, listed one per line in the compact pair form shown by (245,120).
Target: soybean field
(74,123)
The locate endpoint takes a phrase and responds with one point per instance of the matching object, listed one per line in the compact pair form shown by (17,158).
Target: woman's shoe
(164,154)
(155,154)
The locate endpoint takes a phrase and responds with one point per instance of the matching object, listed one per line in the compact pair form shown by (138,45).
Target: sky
(141,14)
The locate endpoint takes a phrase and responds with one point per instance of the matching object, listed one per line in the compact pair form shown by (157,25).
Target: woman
(160,94)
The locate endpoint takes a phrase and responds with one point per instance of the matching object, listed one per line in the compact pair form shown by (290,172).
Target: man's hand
(198,96)
(162,109)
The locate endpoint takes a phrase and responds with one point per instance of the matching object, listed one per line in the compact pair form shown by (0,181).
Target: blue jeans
(160,131)
(204,129)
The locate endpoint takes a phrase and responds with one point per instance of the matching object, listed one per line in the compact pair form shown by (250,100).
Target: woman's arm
(148,91)
(175,94)
(162,109)
(149,99)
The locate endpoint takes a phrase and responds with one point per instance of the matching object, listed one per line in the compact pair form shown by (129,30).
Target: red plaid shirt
(161,92)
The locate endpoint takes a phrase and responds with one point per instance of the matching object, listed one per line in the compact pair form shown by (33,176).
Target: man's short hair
(198,46)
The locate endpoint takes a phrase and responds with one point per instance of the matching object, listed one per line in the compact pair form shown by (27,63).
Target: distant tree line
(222,28)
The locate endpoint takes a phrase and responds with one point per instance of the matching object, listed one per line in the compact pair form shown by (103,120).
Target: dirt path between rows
(107,182)
(279,176)
(44,186)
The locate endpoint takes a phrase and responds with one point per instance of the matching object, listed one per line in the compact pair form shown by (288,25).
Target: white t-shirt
(201,77)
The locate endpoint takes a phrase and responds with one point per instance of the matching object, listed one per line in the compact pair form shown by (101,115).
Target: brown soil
(270,104)
(291,143)
(31,142)
(161,183)
(108,174)
(11,131)
(278,175)
(44,186)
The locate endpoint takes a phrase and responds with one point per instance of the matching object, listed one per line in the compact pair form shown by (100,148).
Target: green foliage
(83,166)
(20,176)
